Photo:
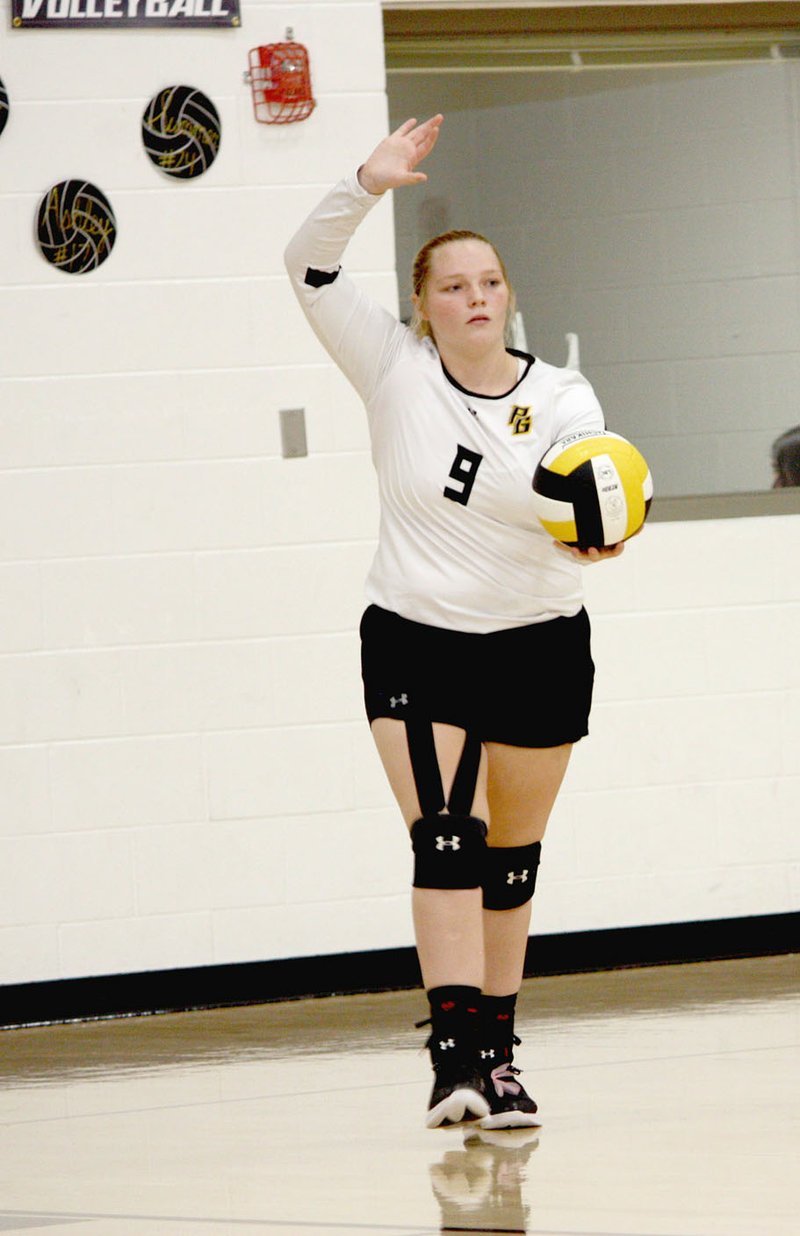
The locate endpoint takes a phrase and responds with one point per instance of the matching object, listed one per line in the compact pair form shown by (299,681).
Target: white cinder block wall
(185,774)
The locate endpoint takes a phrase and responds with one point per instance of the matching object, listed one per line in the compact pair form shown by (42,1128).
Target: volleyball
(592,489)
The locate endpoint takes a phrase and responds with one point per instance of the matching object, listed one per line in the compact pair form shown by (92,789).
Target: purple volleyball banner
(88,14)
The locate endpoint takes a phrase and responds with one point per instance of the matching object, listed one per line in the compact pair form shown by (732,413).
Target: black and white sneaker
(457,1093)
(510,1105)
(457,1096)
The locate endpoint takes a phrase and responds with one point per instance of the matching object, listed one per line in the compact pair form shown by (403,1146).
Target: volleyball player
(475,644)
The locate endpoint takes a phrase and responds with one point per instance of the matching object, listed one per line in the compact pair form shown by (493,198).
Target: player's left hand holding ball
(587,556)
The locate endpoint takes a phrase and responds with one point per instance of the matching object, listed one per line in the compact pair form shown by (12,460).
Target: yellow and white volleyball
(592,489)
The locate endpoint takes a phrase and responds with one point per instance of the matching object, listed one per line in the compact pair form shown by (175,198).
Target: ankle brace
(496,1036)
(455,1022)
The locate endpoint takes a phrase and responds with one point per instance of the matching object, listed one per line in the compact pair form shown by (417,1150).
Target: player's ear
(418,307)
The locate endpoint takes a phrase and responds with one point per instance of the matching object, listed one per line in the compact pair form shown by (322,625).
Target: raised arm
(360,335)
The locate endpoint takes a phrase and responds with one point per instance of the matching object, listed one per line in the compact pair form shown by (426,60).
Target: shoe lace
(503,1080)
(427,1021)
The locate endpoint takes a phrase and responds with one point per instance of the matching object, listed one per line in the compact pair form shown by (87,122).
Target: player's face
(466,296)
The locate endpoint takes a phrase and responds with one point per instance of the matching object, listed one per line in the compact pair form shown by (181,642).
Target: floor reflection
(479,1185)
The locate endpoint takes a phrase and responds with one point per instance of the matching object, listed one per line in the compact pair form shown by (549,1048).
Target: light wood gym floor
(670,1098)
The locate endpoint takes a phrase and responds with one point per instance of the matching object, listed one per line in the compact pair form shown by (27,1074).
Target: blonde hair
(420,273)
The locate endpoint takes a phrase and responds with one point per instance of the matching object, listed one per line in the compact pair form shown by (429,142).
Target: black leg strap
(425,765)
(428,776)
(462,794)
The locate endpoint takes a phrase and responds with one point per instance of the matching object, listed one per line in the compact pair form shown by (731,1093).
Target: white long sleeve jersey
(459,544)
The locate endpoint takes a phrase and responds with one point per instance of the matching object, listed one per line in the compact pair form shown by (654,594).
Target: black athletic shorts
(525,686)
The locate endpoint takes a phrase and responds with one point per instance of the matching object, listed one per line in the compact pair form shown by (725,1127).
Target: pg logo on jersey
(520,420)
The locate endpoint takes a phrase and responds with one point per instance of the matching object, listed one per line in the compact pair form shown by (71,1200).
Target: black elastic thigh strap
(462,794)
(428,776)
(425,765)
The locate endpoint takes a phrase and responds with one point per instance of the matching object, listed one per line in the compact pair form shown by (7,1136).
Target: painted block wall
(185,774)
(654,212)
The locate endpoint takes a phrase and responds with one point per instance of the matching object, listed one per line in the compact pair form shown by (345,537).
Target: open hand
(393,162)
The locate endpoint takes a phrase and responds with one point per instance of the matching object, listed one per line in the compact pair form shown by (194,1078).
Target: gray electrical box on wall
(293,433)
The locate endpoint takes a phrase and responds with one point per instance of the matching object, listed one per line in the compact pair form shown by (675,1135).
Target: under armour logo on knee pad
(398,699)
(445,1043)
(449,851)
(513,877)
(487,1055)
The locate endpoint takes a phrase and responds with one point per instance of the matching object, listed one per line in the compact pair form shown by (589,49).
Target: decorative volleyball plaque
(181,131)
(75,226)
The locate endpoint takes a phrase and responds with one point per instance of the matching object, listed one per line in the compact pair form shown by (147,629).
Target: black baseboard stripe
(162,991)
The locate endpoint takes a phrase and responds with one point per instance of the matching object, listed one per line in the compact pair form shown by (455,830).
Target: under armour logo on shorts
(448,843)
(398,699)
(487,1055)
(513,877)
(445,1043)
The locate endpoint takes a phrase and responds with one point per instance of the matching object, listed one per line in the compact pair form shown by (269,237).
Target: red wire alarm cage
(280,77)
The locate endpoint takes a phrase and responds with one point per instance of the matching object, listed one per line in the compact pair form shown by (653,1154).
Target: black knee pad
(449,851)
(509,875)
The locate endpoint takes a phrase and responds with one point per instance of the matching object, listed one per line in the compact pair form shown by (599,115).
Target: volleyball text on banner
(90,14)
